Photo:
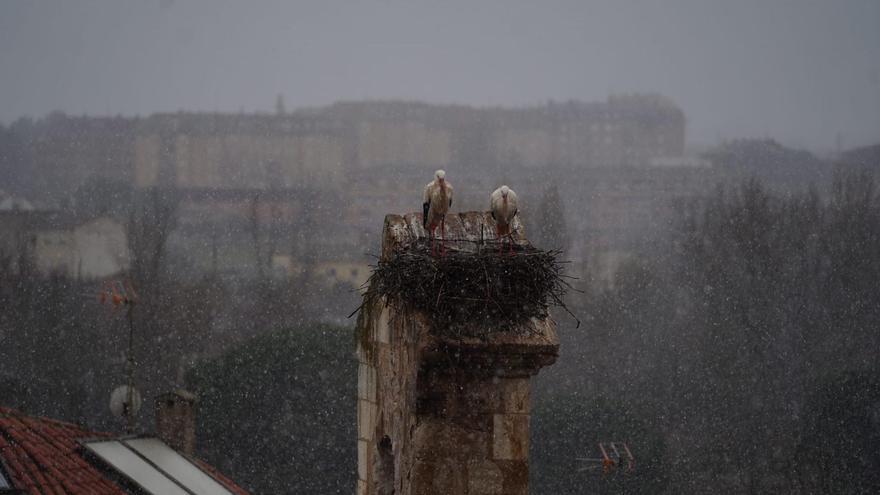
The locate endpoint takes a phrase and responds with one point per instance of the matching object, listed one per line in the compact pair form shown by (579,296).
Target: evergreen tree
(278,413)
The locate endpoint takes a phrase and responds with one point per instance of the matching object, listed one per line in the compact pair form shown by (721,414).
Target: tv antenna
(125,401)
(614,457)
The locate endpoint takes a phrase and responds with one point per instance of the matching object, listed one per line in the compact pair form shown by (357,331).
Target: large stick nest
(473,289)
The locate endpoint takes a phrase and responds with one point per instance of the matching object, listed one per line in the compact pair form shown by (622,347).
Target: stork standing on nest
(502,203)
(437,201)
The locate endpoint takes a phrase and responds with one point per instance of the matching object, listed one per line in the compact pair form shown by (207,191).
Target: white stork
(502,204)
(437,201)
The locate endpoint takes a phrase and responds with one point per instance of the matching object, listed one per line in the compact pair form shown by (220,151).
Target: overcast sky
(800,71)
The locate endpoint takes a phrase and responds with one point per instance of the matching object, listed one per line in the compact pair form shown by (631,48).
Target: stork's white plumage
(437,199)
(502,204)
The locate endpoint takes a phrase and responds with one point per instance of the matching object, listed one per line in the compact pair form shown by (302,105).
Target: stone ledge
(503,354)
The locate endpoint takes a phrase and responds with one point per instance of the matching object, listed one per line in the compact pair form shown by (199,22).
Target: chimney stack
(176,420)
(439,415)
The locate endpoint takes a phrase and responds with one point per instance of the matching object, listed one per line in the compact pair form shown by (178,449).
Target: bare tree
(152,218)
(255,234)
(551,228)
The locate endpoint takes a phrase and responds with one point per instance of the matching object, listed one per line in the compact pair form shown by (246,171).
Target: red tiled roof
(41,456)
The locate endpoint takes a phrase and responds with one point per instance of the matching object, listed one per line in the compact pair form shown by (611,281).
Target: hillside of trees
(736,353)
(738,356)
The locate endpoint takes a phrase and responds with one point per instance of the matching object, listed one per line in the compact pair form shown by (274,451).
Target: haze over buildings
(803,72)
(281,172)
(223,176)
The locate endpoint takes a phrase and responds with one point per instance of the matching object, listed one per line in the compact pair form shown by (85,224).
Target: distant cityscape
(310,187)
(375,154)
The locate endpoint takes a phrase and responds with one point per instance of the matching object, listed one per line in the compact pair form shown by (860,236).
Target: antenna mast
(118,294)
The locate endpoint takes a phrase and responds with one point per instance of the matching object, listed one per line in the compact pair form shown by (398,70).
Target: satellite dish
(119,401)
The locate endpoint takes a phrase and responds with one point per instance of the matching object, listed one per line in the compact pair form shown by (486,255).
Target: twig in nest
(470,290)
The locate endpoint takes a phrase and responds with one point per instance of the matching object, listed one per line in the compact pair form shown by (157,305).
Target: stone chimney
(443,415)
(176,420)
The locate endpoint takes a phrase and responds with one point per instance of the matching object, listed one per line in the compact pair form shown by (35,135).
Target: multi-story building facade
(320,146)
(316,180)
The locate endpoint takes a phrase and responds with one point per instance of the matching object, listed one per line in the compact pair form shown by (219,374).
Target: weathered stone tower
(441,415)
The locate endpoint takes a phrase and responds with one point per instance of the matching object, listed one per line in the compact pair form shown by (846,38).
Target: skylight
(155,467)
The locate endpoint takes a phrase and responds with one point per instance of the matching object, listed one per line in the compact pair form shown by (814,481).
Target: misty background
(709,169)
(802,72)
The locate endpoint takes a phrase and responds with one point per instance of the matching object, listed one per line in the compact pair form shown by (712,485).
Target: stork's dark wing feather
(425,208)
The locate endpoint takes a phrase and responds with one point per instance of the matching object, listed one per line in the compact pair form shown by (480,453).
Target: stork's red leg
(510,242)
(499,237)
(433,251)
(443,236)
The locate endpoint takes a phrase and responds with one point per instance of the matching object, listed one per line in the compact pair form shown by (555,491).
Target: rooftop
(45,456)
